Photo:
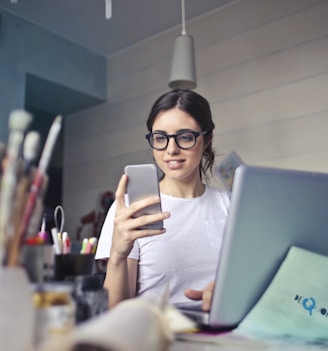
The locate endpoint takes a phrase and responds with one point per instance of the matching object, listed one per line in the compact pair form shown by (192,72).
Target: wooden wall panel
(262,64)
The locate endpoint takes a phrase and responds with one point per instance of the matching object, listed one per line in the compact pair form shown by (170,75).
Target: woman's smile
(174,164)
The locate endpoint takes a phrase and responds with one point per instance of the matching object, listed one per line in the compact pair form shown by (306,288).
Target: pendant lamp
(183,72)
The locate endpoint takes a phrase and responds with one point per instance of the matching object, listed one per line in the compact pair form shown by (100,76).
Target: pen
(54,235)
(89,245)
(84,246)
(66,243)
(43,235)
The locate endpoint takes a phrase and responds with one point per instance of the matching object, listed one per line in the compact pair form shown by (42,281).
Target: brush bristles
(19,120)
(31,145)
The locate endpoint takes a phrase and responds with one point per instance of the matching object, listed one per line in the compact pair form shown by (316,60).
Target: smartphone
(142,183)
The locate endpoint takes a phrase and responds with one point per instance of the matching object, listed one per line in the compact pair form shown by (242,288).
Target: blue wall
(27,48)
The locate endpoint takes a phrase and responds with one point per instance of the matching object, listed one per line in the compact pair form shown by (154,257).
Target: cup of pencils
(38,260)
(68,266)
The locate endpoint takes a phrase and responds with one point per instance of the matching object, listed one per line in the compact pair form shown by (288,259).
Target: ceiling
(132,21)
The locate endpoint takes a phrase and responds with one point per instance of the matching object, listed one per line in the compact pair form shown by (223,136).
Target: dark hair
(198,108)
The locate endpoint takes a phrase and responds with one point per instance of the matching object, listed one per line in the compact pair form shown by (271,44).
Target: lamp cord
(183,17)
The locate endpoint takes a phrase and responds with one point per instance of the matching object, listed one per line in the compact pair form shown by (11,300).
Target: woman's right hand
(126,225)
(205,295)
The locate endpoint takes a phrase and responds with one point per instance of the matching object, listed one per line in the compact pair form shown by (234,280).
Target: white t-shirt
(186,255)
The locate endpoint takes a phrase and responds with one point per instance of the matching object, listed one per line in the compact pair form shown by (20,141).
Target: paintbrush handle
(22,197)
(8,183)
(16,242)
(49,145)
(23,188)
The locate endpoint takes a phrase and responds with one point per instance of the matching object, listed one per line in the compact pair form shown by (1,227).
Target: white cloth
(139,324)
(186,255)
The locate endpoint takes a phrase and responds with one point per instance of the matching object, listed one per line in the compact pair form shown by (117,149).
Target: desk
(123,326)
(237,342)
(181,345)
(192,346)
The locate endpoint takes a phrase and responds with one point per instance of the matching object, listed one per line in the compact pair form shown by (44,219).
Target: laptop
(271,209)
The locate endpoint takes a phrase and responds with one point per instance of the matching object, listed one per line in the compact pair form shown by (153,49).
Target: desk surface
(233,342)
(190,346)
(56,342)
(197,346)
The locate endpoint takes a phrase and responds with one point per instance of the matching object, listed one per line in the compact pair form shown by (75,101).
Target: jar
(54,310)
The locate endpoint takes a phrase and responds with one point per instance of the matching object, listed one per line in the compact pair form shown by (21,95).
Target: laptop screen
(271,209)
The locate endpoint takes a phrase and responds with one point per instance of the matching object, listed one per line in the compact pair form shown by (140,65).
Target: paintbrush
(36,189)
(30,150)
(2,156)
(30,153)
(19,121)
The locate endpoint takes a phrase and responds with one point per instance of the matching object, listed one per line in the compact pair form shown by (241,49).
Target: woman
(185,253)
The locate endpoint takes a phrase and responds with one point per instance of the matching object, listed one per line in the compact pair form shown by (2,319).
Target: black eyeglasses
(184,140)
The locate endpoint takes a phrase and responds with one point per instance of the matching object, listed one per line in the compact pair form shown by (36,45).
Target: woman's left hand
(205,295)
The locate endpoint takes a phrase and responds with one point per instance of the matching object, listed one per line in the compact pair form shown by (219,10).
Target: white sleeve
(105,239)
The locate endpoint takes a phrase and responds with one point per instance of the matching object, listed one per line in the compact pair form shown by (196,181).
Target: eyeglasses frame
(168,136)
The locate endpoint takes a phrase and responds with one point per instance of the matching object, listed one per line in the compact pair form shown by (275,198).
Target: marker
(66,243)
(90,245)
(43,235)
(84,246)
(54,234)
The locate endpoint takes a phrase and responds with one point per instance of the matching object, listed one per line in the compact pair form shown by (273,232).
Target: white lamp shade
(183,72)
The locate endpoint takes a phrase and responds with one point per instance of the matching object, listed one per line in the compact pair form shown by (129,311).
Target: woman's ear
(208,139)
